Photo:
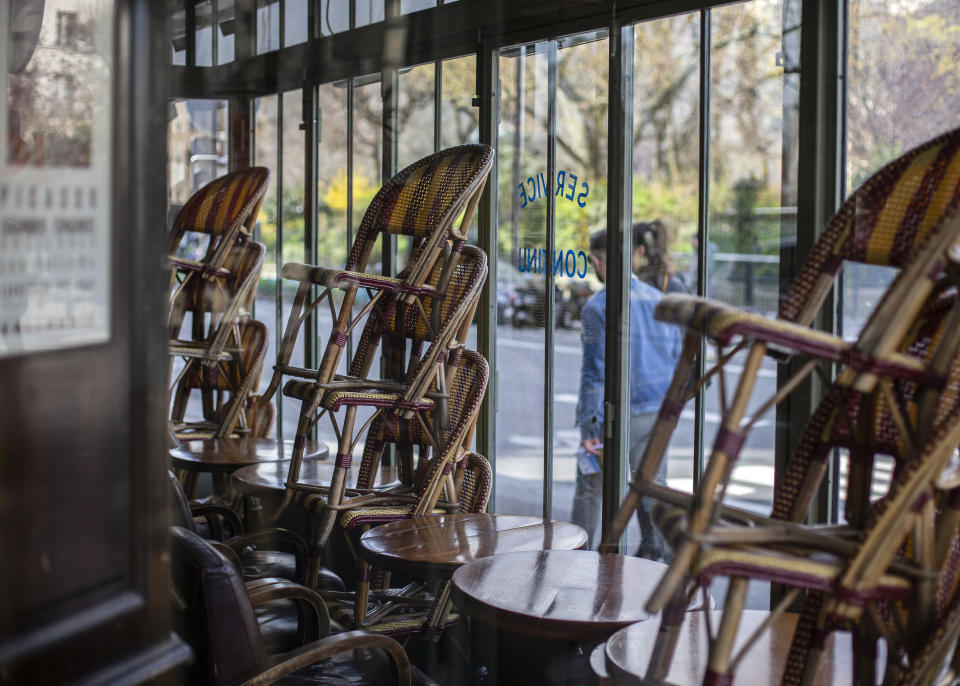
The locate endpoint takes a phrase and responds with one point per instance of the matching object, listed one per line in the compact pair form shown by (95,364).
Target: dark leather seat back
(216,618)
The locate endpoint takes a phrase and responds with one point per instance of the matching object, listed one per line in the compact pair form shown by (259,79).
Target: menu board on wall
(55,195)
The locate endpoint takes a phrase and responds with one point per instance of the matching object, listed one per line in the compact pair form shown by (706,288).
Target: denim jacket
(654,351)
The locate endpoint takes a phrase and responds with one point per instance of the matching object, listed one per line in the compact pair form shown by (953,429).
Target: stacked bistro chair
(430,303)
(222,352)
(465,478)
(885,401)
(432,387)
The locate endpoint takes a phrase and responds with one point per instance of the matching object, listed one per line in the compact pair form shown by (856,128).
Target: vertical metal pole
(214,27)
(278,290)
(191,29)
(350,116)
(437,104)
(549,315)
(309,124)
(617,325)
(703,232)
(281,19)
(389,88)
(488,92)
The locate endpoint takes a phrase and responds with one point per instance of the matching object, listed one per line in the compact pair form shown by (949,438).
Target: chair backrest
(221,297)
(399,321)
(864,423)
(222,207)
(180,514)
(233,381)
(423,199)
(216,618)
(475,477)
(881,222)
(466,395)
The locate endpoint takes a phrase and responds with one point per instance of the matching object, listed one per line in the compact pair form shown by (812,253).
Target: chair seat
(379,514)
(359,668)
(819,573)
(180,348)
(722,323)
(261,564)
(341,278)
(188,265)
(393,625)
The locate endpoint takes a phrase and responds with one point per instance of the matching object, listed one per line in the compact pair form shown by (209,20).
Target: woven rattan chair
(360,508)
(895,396)
(225,210)
(425,388)
(423,201)
(881,223)
(227,404)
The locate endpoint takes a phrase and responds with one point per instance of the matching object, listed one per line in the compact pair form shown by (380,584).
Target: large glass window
(902,88)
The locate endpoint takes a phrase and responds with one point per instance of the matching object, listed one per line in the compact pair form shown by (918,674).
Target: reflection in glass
(225,31)
(334,17)
(752,189)
(459,119)
(580,191)
(900,93)
(408,6)
(203,23)
(295,24)
(196,148)
(665,159)
(368,12)
(178,38)
(521,154)
(268,26)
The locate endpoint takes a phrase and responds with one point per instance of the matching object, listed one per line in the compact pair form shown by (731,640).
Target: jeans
(587,494)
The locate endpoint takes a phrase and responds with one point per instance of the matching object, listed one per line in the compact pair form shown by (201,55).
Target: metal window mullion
(616,394)
(214,26)
(190,12)
(437,103)
(349,189)
(488,93)
(703,232)
(550,306)
(278,289)
(389,90)
(310,122)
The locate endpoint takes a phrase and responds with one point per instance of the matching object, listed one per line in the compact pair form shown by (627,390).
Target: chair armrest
(262,591)
(217,516)
(274,539)
(333,645)
(188,265)
(342,279)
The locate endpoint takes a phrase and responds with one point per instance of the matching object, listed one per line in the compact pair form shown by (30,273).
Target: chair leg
(721,647)
(339,480)
(363,590)
(656,447)
(666,643)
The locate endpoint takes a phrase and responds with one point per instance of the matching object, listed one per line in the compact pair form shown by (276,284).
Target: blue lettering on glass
(581,198)
(535,261)
(535,187)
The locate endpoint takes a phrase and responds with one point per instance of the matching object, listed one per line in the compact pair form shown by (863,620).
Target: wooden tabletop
(440,544)
(576,595)
(267,480)
(229,454)
(628,651)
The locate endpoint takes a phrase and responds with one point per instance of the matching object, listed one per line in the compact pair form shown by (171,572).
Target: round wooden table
(628,651)
(268,479)
(573,595)
(222,456)
(438,545)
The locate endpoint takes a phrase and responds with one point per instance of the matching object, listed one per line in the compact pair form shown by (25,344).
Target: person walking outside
(654,351)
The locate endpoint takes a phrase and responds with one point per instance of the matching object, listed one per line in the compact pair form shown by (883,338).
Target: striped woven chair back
(222,207)
(228,378)
(422,199)
(466,395)
(882,222)
(218,295)
(399,321)
(838,421)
